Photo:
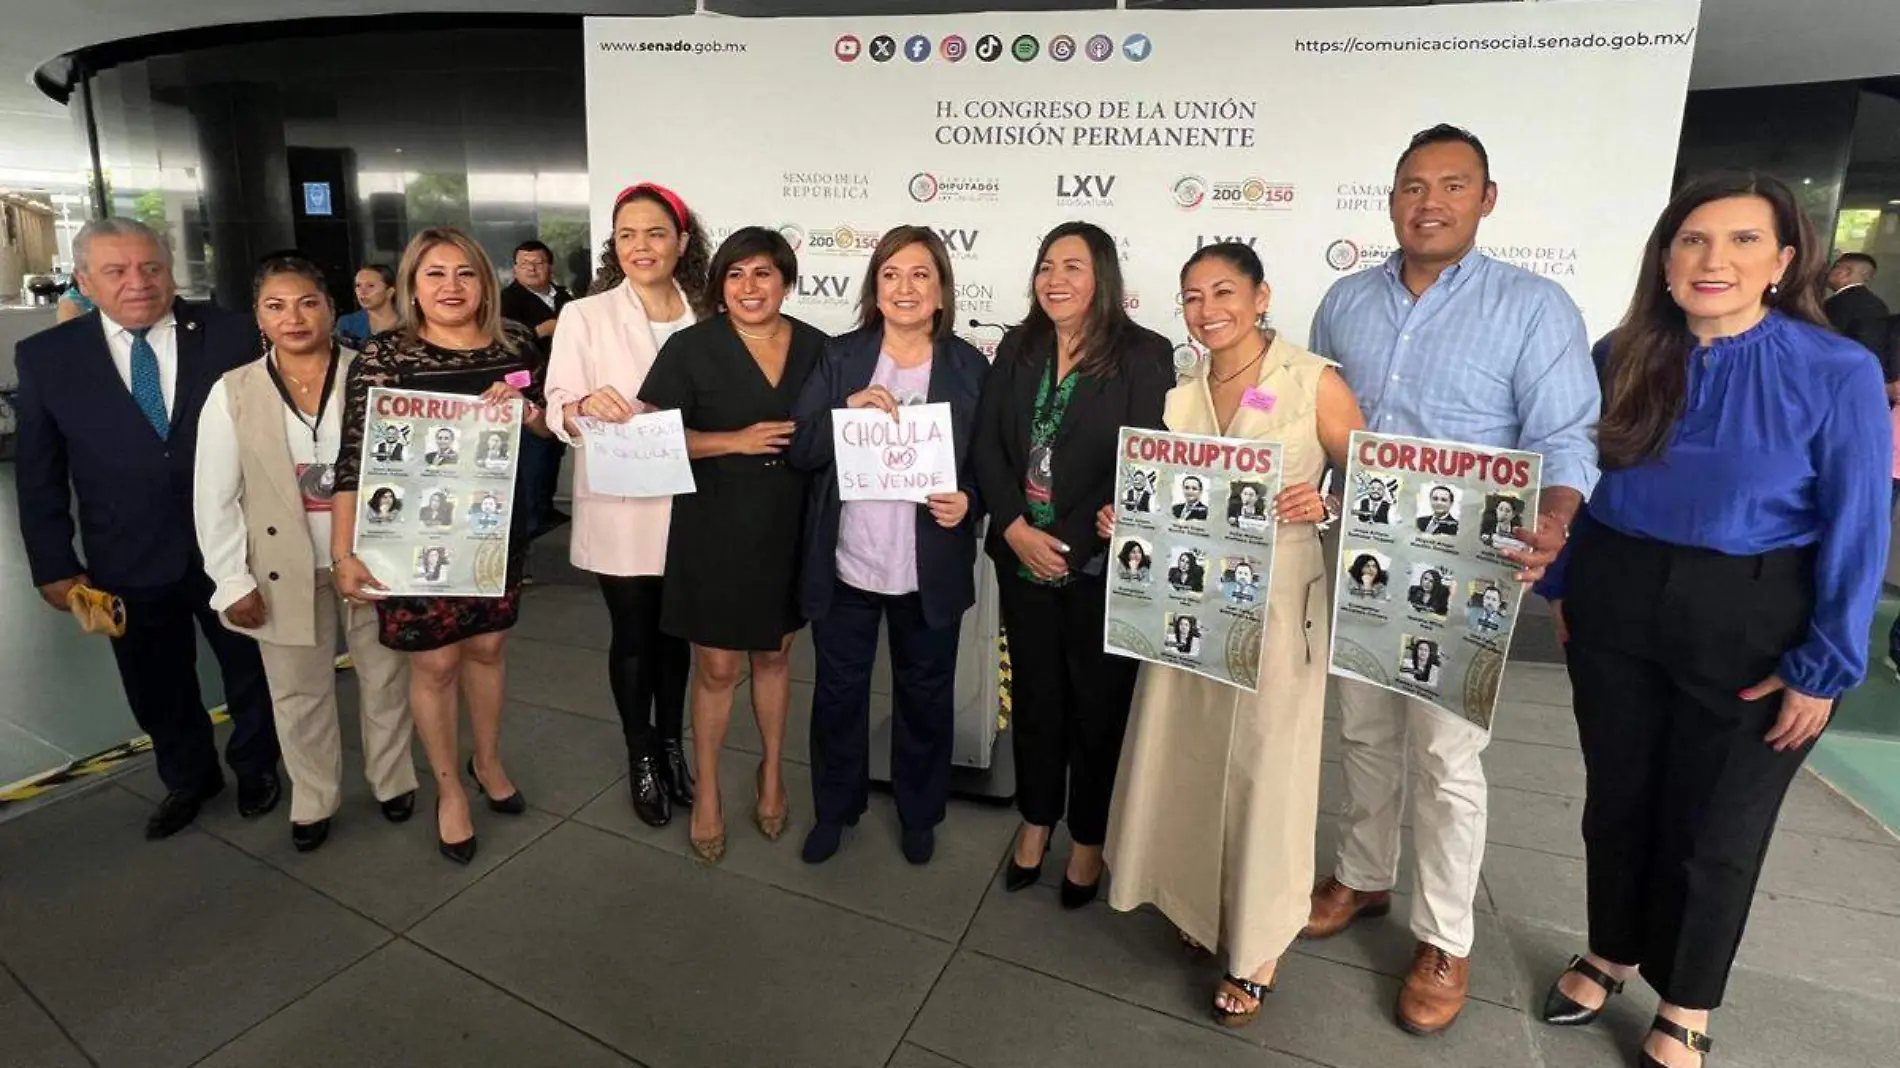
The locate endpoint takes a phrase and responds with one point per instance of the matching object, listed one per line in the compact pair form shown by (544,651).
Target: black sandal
(1248,987)
(1561,1010)
(1696,1041)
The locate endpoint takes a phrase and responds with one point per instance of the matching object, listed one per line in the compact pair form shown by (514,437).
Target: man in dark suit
(108,409)
(1851,307)
(1440,521)
(534,301)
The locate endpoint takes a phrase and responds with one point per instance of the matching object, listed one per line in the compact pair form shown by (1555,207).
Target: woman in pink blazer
(652,274)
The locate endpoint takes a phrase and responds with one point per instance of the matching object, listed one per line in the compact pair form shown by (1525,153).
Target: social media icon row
(988,48)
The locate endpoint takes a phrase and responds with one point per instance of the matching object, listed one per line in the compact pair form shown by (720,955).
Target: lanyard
(323,401)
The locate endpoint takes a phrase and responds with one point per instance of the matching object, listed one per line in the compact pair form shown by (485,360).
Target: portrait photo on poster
(1240,580)
(390,442)
(1187,569)
(385,504)
(488,515)
(1134,560)
(492,452)
(445,447)
(1487,609)
(1503,521)
(438,510)
(1369,574)
(1183,637)
(1420,661)
(1375,500)
(1438,505)
(1428,588)
(432,563)
(1190,498)
(1247,504)
(1138,490)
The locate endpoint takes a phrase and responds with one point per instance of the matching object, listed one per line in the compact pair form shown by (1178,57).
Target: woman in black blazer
(1064,384)
(911,565)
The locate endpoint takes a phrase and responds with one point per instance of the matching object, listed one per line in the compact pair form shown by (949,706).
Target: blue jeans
(537,474)
(1893,636)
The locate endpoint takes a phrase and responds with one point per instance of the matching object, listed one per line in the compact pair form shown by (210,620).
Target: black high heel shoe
(512,805)
(460,852)
(1019,877)
(676,775)
(1560,1010)
(1696,1041)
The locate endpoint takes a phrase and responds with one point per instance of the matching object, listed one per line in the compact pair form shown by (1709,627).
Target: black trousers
(1069,702)
(158,665)
(923,723)
(647,668)
(1683,791)
(539,472)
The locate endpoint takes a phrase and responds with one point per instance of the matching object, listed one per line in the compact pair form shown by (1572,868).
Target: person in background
(1717,593)
(377,311)
(262,535)
(108,409)
(603,349)
(533,300)
(73,303)
(1442,341)
(453,340)
(908,566)
(1853,309)
(1063,384)
(1218,797)
(732,547)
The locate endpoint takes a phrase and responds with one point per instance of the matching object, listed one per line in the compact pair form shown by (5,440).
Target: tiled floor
(580,937)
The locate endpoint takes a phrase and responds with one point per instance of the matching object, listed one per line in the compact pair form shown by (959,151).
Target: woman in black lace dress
(452,340)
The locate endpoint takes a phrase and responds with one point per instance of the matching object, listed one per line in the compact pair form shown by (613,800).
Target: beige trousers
(1390,739)
(303,691)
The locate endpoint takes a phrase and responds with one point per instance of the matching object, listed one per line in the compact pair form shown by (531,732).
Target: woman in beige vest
(1218,791)
(267,443)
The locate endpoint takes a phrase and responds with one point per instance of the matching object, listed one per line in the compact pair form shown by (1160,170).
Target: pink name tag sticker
(520,379)
(1257,399)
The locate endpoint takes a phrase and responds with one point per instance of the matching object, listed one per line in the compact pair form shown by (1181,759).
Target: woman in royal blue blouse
(1717,599)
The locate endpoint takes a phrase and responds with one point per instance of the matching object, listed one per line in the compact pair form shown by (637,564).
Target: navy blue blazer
(81,431)
(946,559)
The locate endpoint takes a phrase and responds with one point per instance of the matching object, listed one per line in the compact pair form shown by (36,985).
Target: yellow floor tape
(40,785)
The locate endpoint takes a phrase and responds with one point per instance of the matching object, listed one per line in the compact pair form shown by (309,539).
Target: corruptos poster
(1426,600)
(1191,559)
(436,498)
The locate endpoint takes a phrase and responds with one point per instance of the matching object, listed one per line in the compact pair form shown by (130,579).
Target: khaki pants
(1388,735)
(303,689)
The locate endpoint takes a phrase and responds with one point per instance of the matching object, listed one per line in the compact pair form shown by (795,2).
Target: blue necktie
(146,390)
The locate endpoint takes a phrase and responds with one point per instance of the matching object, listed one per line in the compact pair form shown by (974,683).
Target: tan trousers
(1392,742)
(303,689)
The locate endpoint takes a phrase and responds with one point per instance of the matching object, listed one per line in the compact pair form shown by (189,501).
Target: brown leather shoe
(1336,905)
(1434,992)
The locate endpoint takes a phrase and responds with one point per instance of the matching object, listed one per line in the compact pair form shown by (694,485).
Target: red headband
(671,198)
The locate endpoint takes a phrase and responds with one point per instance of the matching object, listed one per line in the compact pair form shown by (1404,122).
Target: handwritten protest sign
(642,457)
(1427,602)
(885,459)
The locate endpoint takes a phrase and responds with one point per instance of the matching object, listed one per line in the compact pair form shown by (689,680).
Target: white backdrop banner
(1170,129)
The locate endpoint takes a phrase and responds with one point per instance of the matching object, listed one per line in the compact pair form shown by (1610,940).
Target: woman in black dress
(452,340)
(733,547)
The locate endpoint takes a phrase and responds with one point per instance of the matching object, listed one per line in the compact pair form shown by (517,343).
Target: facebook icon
(917,48)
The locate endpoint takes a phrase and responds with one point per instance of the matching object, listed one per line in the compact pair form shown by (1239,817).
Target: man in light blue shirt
(1441,341)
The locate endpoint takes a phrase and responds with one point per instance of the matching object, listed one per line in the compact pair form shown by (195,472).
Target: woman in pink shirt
(652,274)
(911,566)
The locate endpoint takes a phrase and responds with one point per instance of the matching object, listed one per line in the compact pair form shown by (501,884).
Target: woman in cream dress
(1218,791)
